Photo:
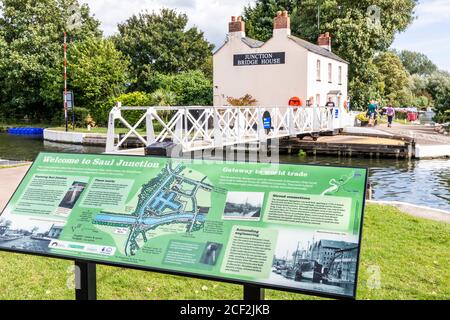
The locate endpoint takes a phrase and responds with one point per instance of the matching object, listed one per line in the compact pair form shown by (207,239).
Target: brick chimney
(236,28)
(282,24)
(324,41)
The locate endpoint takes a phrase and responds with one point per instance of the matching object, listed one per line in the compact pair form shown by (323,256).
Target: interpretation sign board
(289,227)
(254,59)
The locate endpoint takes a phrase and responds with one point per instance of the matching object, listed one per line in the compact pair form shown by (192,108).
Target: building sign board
(254,59)
(69,97)
(282,226)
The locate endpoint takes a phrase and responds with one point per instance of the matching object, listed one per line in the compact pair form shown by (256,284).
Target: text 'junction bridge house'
(283,67)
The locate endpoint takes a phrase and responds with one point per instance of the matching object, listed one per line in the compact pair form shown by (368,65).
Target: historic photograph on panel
(72,195)
(211,253)
(316,261)
(70,198)
(23,233)
(243,205)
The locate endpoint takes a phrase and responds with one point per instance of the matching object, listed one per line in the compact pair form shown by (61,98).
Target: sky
(429,33)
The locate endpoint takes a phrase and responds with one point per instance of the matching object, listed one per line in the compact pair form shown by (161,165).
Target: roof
(316,49)
(252,43)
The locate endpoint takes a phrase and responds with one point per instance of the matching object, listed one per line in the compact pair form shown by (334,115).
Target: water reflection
(422,182)
(28,147)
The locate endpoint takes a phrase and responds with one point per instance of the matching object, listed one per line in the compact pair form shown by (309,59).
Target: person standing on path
(330,103)
(390,112)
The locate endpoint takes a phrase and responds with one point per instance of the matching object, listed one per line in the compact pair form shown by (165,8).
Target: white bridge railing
(196,128)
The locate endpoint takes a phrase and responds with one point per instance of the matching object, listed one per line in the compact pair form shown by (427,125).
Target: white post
(111,135)
(291,121)
(218,135)
(315,118)
(149,126)
(260,124)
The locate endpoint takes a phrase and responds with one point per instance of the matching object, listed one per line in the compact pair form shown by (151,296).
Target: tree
(417,63)
(395,79)
(31,33)
(191,88)
(161,43)
(356,37)
(98,72)
(259,18)
(439,88)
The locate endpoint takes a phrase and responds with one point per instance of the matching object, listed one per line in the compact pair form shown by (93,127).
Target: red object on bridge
(295,102)
(412,116)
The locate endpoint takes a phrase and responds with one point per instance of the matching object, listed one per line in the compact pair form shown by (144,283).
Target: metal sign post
(86,280)
(69,102)
(65,82)
(253,293)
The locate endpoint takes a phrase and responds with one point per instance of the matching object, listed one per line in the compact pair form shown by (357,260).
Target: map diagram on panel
(176,200)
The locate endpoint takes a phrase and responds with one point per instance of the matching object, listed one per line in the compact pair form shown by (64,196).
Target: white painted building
(283,67)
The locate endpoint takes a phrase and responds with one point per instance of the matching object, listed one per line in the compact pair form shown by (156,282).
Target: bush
(133,99)
(79,115)
(192,88)
(442,117)
(362,117)
(244,101)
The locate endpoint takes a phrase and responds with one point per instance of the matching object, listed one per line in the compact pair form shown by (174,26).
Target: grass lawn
(412,255)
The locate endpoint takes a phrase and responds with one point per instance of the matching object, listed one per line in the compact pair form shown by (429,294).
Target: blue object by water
(26,131)
(267,122)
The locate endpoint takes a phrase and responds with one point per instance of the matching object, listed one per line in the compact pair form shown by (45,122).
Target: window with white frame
(318,70)
(340,75)
(330,73)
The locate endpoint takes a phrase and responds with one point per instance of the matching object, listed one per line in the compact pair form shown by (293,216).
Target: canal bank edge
(377,149)
(416,210)
(79,138)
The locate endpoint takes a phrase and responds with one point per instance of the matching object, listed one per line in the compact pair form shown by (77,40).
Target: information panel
(293,227)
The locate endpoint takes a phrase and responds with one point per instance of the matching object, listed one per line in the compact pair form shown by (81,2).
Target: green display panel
(291,227)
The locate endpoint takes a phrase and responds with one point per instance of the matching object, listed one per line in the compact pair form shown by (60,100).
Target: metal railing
(199,127)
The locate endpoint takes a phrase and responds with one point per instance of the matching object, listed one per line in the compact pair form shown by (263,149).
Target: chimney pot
(237,26)
(282,21)
(324,41)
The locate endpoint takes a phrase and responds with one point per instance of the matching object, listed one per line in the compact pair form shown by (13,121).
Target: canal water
(422,182)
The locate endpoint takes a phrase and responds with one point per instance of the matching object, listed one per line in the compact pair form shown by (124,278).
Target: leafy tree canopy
(417,63)
(438,85)
(98,71)
(191,88)
(32,34)
(356,32)
(395,79)
(161,43)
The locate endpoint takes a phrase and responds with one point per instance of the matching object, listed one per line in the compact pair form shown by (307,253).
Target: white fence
(197,128)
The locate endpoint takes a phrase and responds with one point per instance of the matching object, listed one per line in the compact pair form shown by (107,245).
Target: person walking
(372,112)
(390,112)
